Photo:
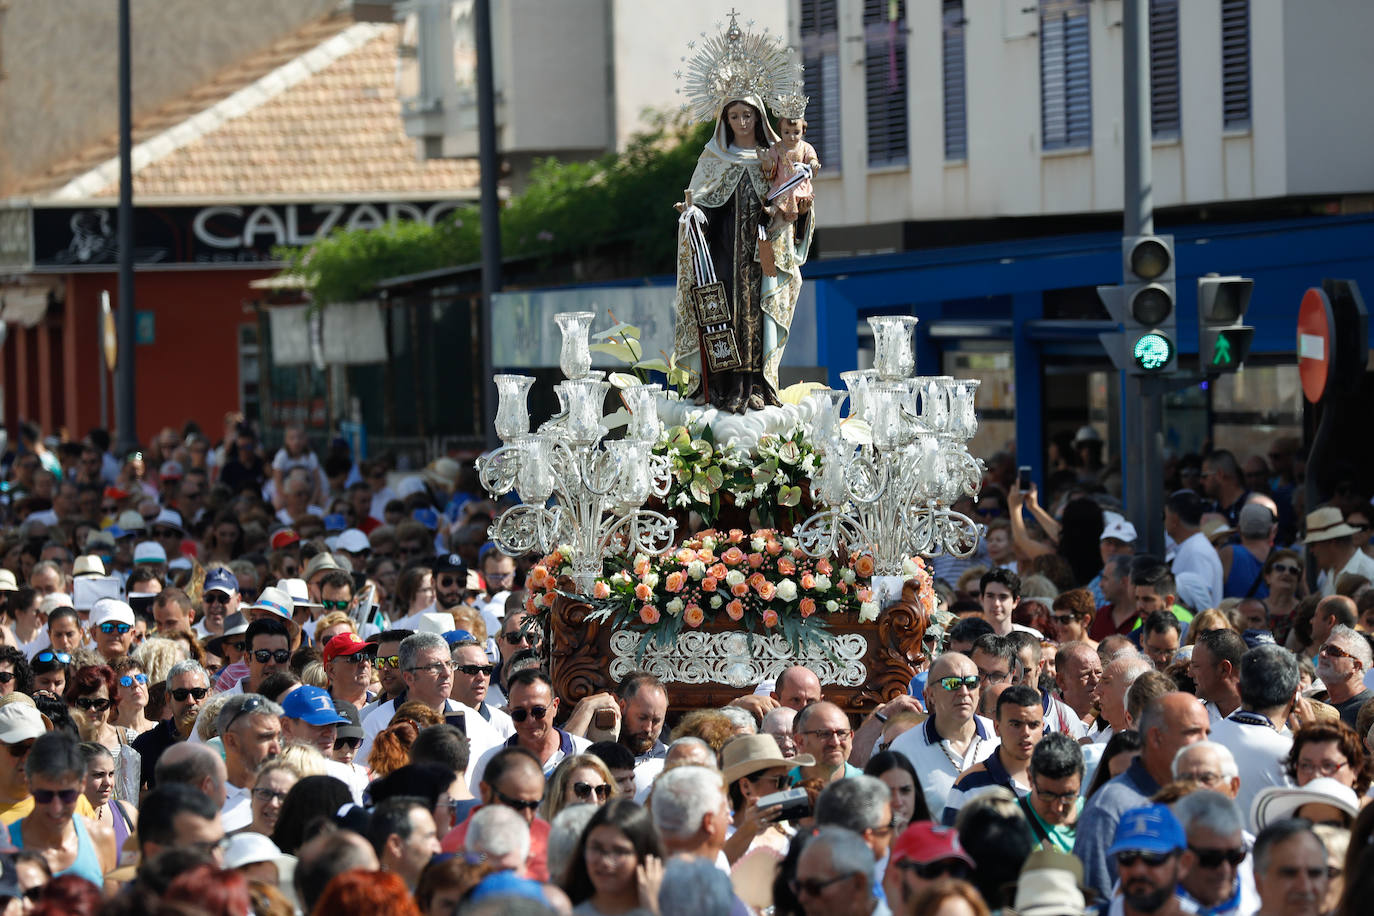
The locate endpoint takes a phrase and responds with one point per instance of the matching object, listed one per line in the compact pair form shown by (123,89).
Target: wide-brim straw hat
(751,753)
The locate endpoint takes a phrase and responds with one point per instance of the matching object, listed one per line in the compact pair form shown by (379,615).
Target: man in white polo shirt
(954,737)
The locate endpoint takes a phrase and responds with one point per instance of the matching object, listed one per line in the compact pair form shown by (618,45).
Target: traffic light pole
(1142,411)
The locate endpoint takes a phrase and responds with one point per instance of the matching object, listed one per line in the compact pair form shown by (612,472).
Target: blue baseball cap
(221,580)
(335,522)
(1152,828)
(427,517)
(452,637)
(313,705)
(507,884)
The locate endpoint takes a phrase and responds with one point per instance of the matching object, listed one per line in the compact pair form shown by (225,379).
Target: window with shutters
(885,81)
(1066,115)
(956,101)
(1165,110)
(1235,64)
(820,45)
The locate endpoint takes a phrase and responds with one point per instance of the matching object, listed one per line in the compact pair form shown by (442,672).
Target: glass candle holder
(586,400)
(894,353)
(512,409)
(575,357)
(642,402)
(535,478)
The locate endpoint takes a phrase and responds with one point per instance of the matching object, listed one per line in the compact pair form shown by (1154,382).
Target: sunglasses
(120,628)
(6,677)
(953,683)
(19,749)
(519,804)
(1212,858)
(61,657)
(520,715)
(181,693)
(1151,859)
(584,791)
(280,656)
(214,598)
(92,704)
(514,638)
(46,796)
(1331,650)
(250,706)
(351,743)
(1287,568)
(470,670)
(777,781)
(451,582)
(330,604)
(386,661)
(814,887)
(129,680)
(931,871)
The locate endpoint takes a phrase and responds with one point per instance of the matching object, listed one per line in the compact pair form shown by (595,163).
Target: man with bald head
(1117,678)
(194,765)
(1167,724)
(1332,611)
(1210,765)
(953,737)
(1077,671)
(797,688)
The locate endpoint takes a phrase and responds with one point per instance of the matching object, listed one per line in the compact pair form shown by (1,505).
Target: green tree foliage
(617,202)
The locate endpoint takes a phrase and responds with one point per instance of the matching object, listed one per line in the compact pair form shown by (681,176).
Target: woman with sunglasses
(1283,575)
(131,698)
(50,671)
(89,693)
(70,842)
(99,790)
(753,767)
(579,779)
(603,875)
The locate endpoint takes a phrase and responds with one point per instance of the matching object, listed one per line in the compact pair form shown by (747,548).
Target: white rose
(822,583)
(716,601)
(675,606)
(789,543)
(734,577)
(696,569)
(708,543)
(787,590)
(651,580)
(832,605)
(757,545)
(909,568)
(847,575)
(868,612)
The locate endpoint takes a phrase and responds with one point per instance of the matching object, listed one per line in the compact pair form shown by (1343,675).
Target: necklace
(972,747)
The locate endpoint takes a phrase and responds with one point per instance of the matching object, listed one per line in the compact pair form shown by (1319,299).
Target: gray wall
(60,60)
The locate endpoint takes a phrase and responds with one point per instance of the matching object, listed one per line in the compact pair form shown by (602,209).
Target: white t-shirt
(938,763)
(1197,555)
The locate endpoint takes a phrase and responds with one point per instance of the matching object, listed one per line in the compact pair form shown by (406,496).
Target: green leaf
(715,477)
(653,365)
(620,351)
(700,487)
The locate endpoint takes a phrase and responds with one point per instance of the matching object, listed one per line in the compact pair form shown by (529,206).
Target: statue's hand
(679,206)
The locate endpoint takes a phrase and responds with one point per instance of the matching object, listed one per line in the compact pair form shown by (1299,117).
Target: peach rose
(864,594)
(808,580)
(755,560)
(530,606)
(549,599)
(767,590)
(642,592)
(786,567)
(601,590)
(538,576)
(709,584)
(733,557)
(735,609)
(863,565)
(770,618)
(694,615)
(717,571)
(685,555)
(641,566)
(823,566)
(675,581)
(736,535)
(649,614)
(773,547)
(706,556)
(739,590)
(756,580)
(807,606)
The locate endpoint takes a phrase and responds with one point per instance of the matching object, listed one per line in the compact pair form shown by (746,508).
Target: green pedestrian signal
(1222,355)
(1223,340)
(1152,352)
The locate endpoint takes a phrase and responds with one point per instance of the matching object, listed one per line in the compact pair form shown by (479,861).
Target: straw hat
(751,753)
(1325,524)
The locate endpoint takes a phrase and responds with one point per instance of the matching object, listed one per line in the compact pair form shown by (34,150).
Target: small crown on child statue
(791,106)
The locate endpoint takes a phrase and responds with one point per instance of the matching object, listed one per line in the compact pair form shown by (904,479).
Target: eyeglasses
(931,871)
(1129,857)
(437,668)
(584,791)
(1062,619)
(386,661)
(18,749)
(46,796)
(1325,767)
(954,682)
(120,628)
(814,887)
(210,847)
(280,656)
(264,794)
(501,577)
(330,604)
(351,743)
(130,680)
(46,657)
(520,715)
(181,693)
(825,734)
(1288,568)
(519,804)
(1212,858)
(994,677)
(1062,798)
(471,670)
(215,597)
(92,704)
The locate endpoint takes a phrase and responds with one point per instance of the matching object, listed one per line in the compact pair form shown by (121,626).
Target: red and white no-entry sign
(1315,325)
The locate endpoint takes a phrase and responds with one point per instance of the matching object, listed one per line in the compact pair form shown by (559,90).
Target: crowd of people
(237,681)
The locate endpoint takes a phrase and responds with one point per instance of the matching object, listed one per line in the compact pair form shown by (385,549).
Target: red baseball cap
(115,493)
(284,538)
(344,644)
(925,842)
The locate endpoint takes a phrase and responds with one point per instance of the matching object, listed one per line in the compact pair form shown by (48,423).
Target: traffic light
(1223,341)
(1144,306)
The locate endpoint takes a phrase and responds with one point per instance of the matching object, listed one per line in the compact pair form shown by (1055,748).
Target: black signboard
(77,237)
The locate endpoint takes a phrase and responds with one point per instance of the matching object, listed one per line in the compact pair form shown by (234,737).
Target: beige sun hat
(751,753)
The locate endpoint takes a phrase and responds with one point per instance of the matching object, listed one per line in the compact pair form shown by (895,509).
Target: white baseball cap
(20,722)
(111,610)
(54,601)
(149,552)
(1119,529)
(353,541)
(251,848)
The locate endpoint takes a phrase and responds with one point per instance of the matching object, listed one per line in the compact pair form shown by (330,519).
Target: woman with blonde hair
(1212,618)
(331,625)
(579,779)
(948,897)
(158,654)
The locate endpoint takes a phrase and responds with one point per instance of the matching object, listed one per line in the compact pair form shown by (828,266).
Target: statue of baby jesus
(779,166)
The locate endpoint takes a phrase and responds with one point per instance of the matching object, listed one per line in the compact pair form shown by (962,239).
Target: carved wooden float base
(712,665)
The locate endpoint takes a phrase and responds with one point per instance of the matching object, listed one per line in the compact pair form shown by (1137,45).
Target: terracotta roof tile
(338,131)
